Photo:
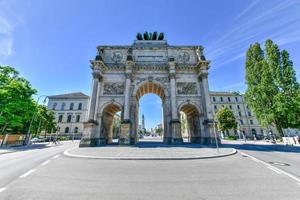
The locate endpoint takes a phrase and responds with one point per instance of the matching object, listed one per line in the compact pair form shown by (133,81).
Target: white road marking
(3,189)
(27,173)
(46,162)
(298,183)
(56,156)
(275,170)
(269,165)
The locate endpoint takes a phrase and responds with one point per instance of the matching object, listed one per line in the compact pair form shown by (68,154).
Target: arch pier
(123,74)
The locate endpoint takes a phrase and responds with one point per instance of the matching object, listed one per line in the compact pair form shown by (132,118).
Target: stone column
(93,99)
(90,136)
(175,123)
(209,135)
(126,124)
(98,97)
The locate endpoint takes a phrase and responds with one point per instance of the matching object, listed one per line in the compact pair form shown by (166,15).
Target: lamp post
(73,116)
(28,134)
(217,145)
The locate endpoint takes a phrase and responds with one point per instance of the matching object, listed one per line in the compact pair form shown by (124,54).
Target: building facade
(247,123)
(123,74)
(70,112)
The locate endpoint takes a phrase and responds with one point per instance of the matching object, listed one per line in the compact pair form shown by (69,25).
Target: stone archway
(177,74)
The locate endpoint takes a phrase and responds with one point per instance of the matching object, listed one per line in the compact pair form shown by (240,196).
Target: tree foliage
(272,89)
(225,119)
(16,103)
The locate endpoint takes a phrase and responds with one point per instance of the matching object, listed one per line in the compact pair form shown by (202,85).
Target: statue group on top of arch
(123,74)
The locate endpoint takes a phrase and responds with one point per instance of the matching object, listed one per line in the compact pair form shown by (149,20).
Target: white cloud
(260,20)
(10,18)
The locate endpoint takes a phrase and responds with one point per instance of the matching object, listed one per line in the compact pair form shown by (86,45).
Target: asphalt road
(233,177)
(13,165)
(284,157)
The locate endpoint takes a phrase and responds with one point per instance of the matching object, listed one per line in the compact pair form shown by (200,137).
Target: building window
(236,99)
(215,107)
(54,106)
(77,118)
(69,118)
(249,113)
(214,99)
(229,99)
(79,106)
(221,98)
(230,106)
(76,130)
(60,117)
(251,121)
(240,114)
(63,105)
(238,106)
(222,106)
(241,121)
(67,130)
(253,132)
(71,106)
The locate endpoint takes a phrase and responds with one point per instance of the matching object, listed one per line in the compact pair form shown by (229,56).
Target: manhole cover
(279,163)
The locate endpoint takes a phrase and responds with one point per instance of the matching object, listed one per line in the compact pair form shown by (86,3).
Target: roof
(224,93)
(74,95)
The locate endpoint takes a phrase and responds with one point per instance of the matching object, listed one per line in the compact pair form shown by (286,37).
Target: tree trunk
(279,129)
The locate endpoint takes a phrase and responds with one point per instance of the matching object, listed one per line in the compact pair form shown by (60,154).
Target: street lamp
(28,134)
(216,139)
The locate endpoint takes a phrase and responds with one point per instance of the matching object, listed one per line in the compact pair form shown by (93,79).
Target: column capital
(203,73)
(97,76)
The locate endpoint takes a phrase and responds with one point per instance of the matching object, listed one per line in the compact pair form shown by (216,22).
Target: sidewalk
(146,152)
(5,150)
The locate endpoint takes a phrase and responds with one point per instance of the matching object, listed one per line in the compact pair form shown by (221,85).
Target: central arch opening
(150,100)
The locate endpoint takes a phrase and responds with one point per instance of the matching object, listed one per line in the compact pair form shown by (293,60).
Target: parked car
(35,140)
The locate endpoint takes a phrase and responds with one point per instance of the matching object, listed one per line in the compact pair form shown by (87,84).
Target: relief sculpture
(113,88)
(187,88)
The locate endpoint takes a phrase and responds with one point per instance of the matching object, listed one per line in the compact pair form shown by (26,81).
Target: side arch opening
(190,123)
(111,123)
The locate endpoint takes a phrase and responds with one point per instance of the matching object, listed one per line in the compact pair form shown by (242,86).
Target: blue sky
(51,42)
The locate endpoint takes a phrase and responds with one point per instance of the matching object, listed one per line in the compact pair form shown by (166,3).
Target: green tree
(272,87)
(225,120)
(16,103)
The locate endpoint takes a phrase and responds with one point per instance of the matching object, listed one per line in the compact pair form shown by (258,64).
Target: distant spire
(143,122)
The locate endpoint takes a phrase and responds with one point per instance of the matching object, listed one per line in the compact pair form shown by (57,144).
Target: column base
(176,141)
(196,140)
(125,133)
(92,142)
(210,141)
(176,132)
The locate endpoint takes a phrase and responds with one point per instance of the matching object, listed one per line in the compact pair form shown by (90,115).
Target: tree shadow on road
(263,147)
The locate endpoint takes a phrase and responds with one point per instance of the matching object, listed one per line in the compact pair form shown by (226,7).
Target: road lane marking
(278,169)
(2,189)
(46,162)
(271,168)
(27,173)
(298,183)
(56,156)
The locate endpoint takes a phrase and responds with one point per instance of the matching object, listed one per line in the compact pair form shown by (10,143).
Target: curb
(68,154)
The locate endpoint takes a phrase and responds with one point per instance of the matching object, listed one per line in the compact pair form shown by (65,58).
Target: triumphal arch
(123,74)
